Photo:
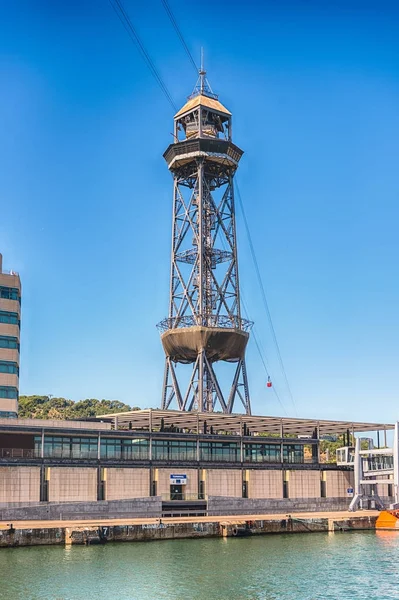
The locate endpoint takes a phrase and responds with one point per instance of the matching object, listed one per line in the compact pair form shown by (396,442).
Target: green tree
(49,407)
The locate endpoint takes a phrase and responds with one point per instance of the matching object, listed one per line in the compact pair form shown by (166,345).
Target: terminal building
(192,463)
(10,322)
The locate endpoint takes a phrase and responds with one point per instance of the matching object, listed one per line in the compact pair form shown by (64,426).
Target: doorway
(176,492)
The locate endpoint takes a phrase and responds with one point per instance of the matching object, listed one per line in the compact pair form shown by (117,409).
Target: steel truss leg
(203,392)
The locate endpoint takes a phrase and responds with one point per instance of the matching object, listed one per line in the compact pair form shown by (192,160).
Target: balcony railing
(218,321)
(19,453)
(181,496)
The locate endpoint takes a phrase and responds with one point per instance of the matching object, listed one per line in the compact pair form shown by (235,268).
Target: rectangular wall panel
(304,484)
(265,484)
(221,482)
(338,482)
(19,484)
(123,483)
(72,484)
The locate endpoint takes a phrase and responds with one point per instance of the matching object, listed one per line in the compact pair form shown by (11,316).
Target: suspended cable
(179,33)
(127,24)
(263,293)
(261,354)
(257,343)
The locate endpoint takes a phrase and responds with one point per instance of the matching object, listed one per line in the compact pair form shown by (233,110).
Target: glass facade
(262,453)
(8,341)
(131,448)
(67,447)
(10,367)
(11,318)
(220,451)
(174,450)
(7,391)
(5,414)
(124,449)
(293,453)
(9,293)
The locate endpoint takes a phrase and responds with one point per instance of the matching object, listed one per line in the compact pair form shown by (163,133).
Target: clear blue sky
(86,196)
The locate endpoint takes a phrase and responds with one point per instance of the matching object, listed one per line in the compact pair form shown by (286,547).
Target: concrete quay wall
(108,509)
(159,530)
(218,505)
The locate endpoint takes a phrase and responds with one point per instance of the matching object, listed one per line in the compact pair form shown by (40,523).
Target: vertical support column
(165,384)
(241,443)
(200,121)
(282,442)
(396,462)
(42,445)
(201,382)
(358,475)
(200,246)
(99,446)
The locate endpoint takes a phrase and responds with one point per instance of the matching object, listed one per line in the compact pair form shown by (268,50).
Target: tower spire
(202,72)
(204,326)
(203,87)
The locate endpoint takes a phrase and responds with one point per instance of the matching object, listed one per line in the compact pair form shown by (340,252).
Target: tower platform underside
(184,344)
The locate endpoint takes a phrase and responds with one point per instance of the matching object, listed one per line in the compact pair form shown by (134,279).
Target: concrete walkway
(222,519)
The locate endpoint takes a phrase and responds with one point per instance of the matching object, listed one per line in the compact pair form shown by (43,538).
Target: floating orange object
(388,519)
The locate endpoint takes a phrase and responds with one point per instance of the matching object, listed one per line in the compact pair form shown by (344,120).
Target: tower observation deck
(204,325)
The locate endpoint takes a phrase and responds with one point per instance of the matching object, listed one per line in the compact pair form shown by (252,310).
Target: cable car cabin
(345,456)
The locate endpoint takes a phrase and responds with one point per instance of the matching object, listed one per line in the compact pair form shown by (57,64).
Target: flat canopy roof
(150,419)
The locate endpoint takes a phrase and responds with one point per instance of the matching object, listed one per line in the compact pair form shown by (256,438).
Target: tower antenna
(203,87)
(202,73)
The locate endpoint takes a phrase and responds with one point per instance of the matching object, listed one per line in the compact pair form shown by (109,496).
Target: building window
(5,414)
(174,450)
(262,453)
(70,447)
(293,453)
(10,367)
(8,293)
(11,318)
(7,341)
(220,451)
(124,449)
(10,392)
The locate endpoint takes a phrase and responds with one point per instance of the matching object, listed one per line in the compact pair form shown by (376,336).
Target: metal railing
(219,321)
(18,453)
(182,496)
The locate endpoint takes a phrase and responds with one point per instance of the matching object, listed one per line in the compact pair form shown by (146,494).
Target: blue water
(358,565)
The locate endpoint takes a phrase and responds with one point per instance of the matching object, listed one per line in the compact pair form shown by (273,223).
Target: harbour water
(357,565)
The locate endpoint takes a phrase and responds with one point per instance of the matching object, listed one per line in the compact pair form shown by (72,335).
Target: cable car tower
(204,325)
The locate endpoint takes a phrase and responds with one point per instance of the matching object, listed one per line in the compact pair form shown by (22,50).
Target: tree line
(50,407)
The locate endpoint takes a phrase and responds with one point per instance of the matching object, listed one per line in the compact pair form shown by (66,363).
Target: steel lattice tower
(204,325)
